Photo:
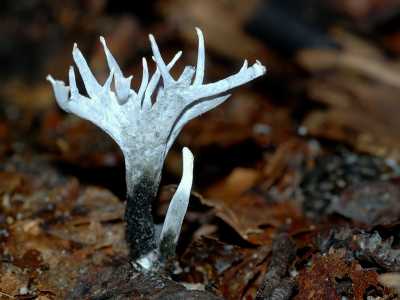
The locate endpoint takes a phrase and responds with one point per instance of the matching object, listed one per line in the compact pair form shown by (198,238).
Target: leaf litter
(311,152)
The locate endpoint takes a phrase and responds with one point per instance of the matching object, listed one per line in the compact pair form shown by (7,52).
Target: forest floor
(296,191)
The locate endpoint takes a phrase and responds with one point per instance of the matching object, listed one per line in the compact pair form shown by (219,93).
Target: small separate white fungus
(23,290)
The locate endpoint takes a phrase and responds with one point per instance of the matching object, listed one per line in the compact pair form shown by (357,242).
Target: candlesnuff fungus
(146,131)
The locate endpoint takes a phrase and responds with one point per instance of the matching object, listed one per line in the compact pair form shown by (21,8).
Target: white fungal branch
(158,260)
(179,203)
(126,113)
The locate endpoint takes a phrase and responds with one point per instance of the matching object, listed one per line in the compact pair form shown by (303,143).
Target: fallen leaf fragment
(12,284)
(238,280)
(320,280)
(363,246)
(228,267)
(362,279)
(371,202)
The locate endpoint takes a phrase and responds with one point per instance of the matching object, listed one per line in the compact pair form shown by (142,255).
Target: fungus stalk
(146,131)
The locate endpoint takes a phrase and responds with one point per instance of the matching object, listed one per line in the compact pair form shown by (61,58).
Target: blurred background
(333,78)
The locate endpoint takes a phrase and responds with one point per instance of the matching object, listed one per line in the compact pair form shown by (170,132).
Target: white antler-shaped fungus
(143,130)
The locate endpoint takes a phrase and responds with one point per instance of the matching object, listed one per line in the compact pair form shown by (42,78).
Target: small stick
(275,284)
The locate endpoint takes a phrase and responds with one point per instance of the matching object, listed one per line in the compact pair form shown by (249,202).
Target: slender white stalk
(179,203)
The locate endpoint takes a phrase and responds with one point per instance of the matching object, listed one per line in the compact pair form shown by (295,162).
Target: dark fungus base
(140,231)
(166,252)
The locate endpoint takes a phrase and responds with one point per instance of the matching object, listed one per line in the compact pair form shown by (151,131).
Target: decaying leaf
(229,268)
(371,202)
(320,281)
(256,203)
(363,246)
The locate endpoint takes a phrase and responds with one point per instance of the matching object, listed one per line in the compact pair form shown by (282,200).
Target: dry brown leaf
(12,284)
(318,282)
(238,181)
(362,279)
(233,269)
(255,219)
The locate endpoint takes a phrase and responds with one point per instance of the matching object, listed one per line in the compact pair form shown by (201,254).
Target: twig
(275,284)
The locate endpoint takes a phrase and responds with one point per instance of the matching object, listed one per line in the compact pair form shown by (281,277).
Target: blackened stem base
(140,231)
